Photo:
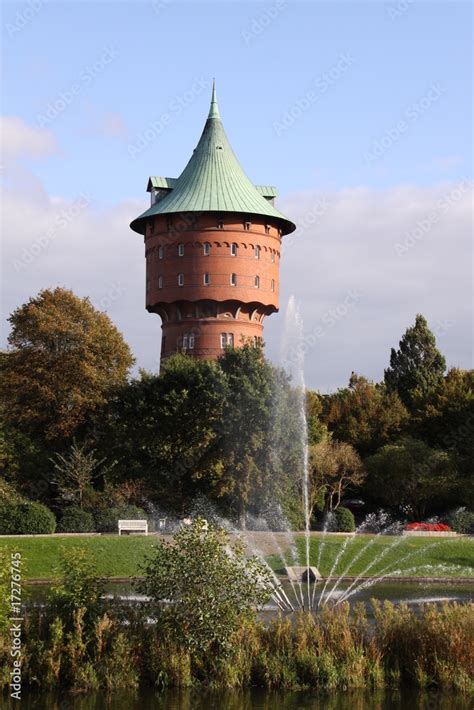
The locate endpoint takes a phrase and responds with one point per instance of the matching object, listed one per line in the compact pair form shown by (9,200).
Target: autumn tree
(335,467)
(417,367)
(365,415)
(64,359)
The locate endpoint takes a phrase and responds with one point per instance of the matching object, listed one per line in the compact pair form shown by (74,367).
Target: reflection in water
(248,700)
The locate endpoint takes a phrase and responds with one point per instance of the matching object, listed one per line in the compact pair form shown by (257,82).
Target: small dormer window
(220,224)
(267,229)
(247,225)
(180,249)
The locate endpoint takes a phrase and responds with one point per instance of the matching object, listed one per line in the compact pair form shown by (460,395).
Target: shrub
(29,518)
(75,519)
(77,587)
(341,520)
(107,520)
(461,521)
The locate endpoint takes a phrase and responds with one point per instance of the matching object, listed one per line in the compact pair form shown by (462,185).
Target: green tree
(75,473)
(365,415)
(64,359)
(334,468)
(209,586)
(411,473)
(417,367)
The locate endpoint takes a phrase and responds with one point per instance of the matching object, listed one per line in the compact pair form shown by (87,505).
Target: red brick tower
(212,247)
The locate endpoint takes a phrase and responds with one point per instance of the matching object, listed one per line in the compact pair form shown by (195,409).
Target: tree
(245,442)
(209,586)
(65,359)
(365,415)
(411,474)
(417,367)
(75,473)
(334,467)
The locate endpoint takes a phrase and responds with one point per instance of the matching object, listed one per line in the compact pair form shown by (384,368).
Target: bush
(28,518)
(76,520)
(461,521)
(107,520)
(341,520)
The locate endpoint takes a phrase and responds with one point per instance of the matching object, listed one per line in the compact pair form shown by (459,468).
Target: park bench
(132,526)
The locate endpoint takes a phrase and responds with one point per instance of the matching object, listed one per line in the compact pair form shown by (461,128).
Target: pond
(253,699)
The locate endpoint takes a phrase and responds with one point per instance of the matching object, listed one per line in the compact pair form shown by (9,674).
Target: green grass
(122,556)
(437,557)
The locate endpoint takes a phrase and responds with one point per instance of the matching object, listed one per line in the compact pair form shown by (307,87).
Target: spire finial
(214,110)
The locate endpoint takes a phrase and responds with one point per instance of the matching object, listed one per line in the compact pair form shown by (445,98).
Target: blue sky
(338,99)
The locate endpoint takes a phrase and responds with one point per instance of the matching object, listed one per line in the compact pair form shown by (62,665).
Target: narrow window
(180,279)
(233,279)
(185,341)
(257,282)
(230,340)
(180,249)
(223,340)
(273,284)
(247,225)
(257,252)
(207,249)
(161,252)
(191,341)
(273,257)
(207,279)
(233,249)
(267,229)
(160,281)
(220,224)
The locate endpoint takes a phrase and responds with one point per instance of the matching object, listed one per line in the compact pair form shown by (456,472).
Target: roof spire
(214,110)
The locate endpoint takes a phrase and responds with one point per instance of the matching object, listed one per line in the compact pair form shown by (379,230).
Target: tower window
(180,279)
(233,249)
(185,341)
(227,340)
(257,252)
(161,252)
(206,279)
(273,257)
(247,225)
(180,249)
(160,281)
(220,224)
(207,249)
(257,282)
(273,284)
(267,229)
(233,279)
(191,341)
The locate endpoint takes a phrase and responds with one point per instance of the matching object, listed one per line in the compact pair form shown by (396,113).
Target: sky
(359,112)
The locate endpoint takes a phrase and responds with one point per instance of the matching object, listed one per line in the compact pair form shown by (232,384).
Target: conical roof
(213,181)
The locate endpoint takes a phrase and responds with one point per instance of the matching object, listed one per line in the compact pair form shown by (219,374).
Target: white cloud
(18,139)
(358,293)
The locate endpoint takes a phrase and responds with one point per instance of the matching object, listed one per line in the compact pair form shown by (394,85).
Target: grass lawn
(413,556)
(122,556)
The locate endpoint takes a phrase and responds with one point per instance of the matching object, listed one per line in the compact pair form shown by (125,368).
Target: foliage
(28,518)
(365,415)
(8,493)
(209,584)
(341,520)
(77,586)
(75,473)
(411,473)
(461,521)
(334,467)
(64,360)
(74,519)
(417,367)
(106,519)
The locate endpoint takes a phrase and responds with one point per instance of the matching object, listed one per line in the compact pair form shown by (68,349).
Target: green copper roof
(213,181)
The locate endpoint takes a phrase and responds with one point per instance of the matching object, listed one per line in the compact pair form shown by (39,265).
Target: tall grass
(336,649)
